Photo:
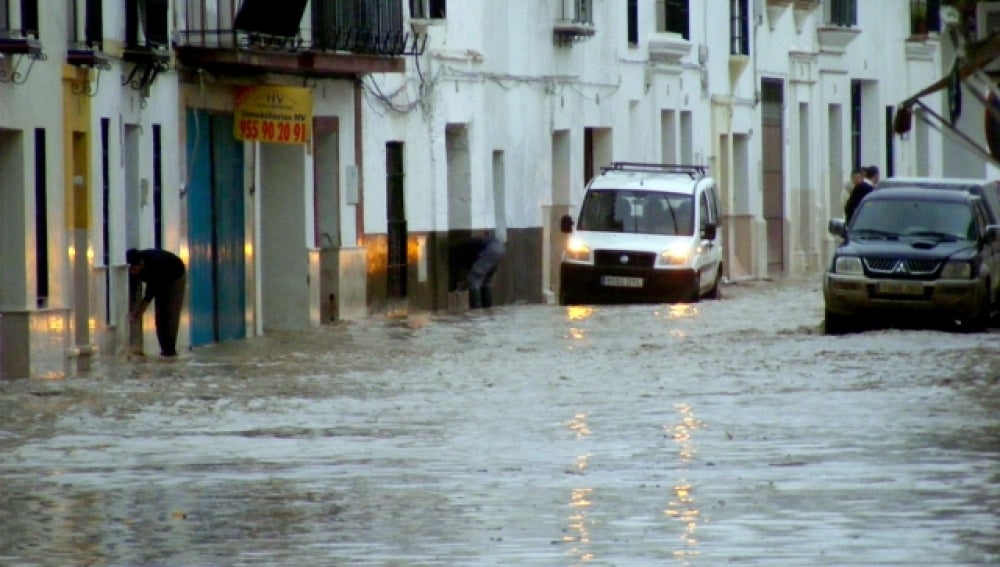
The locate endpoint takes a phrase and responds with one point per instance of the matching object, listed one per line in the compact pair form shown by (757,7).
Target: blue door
(217,276)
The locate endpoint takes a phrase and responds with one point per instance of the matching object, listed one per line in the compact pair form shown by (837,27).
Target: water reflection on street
(727,432)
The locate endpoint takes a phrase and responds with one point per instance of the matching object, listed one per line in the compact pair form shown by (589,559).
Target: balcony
(346,40)
(15,46)
(668,48)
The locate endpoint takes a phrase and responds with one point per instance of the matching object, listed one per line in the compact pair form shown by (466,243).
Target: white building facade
(122,125)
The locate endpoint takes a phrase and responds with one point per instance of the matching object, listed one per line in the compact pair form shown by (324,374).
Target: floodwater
(726,432)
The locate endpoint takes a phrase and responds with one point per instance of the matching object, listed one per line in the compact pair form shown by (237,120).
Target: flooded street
(726,432)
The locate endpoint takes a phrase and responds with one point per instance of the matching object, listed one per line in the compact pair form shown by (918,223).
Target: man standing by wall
(165,278)
(866,186)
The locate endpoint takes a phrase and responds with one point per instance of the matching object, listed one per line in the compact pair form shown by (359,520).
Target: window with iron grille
(739,28)
(368,27)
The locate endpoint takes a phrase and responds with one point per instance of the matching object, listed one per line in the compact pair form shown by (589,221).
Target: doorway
(216,270)
(772,95)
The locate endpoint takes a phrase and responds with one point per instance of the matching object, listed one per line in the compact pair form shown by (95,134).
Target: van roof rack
(694,171)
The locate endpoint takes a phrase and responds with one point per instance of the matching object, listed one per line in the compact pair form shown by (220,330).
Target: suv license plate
(620,281)
(900,288)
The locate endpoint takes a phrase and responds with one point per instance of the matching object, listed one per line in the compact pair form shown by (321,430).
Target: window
(925,16)
(856,125)
(843,13)
(578,11)
(106,213)
(146,23)
(92,33)
(633,22)
(890,137)
(424,9)
(27,26)
(676,17)
(270,18)
(157,186)
(396,219)
(41,223)
(739,28)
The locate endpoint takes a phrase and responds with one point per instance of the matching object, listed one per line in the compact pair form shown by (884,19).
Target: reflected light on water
(682,506)
(578,528)
(578,531)
(579,425)
(682,311)
(577,313)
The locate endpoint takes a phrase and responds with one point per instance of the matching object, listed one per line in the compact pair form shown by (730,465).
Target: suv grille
(901,267)
(632,259)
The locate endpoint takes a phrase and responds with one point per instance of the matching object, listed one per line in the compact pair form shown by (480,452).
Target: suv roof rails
(695,171)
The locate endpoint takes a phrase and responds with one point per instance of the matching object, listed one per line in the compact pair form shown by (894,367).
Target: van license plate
(900,288)
(620,281)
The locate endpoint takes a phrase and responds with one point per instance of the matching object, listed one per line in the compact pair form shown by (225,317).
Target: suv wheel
(836,324)
(981,320)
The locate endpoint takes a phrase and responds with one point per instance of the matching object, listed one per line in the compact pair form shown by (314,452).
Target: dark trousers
(168,307)
(481,275)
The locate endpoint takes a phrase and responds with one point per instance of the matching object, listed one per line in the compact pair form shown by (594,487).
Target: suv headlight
(956,271)
(577,250)
(848,265)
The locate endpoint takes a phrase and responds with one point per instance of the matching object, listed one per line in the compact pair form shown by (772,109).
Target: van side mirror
(837,227)
(566,224)
(709,232)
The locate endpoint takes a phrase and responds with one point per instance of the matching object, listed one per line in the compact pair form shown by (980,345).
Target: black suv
(914,250)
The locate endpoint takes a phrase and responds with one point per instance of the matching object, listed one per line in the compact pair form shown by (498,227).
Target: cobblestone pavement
(726,432)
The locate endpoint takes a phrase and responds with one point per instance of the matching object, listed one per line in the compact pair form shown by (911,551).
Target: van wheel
(566,299)
(695,294)
(715,293)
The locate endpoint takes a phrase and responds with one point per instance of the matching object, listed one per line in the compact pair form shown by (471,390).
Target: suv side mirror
(566,224)
(992,234)
(709,232)
(837,227)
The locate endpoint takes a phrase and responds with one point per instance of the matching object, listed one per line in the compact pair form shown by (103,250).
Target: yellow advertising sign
(273,114)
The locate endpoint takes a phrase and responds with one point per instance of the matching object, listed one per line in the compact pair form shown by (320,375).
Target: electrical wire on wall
(407,97)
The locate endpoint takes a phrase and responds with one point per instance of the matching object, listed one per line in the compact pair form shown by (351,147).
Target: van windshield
(647,212)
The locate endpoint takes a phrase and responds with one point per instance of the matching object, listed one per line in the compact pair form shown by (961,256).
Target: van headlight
(956,271)
(577,250)
(848,265)
(678,254)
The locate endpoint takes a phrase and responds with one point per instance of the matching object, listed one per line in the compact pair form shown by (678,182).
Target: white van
(646,233)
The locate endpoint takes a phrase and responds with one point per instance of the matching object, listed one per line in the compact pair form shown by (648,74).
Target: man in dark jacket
(866,186)
(165,278)
(479,257)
